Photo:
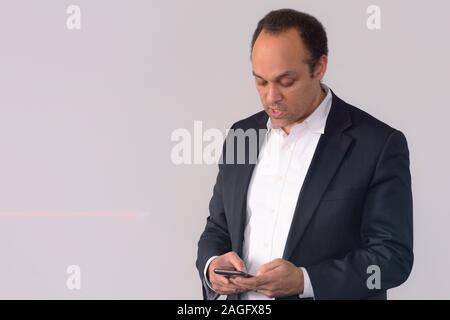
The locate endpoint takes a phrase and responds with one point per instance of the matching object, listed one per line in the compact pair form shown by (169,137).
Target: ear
(321,67)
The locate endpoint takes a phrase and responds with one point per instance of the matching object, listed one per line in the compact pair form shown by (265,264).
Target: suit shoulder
(251,121)
(367,128)
(366,125)
(363,119)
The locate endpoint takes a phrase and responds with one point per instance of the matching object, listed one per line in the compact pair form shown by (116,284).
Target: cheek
(262,99)
(292,97)
(296,102)
(261,93)
(298,95)
(299,89)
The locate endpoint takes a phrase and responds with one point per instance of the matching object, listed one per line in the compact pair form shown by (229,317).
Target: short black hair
(311,31)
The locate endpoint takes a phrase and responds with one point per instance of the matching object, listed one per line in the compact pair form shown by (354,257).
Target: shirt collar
(316,121)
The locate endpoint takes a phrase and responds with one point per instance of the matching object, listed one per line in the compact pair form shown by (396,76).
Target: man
(326,212)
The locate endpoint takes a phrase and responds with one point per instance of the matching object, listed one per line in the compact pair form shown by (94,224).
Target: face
(288,91)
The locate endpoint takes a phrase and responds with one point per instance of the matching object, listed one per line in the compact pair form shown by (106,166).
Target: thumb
(237,262)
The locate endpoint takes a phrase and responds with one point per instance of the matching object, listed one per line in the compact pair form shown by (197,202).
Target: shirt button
(272,211)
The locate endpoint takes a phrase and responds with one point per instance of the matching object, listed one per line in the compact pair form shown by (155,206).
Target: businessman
(326,210)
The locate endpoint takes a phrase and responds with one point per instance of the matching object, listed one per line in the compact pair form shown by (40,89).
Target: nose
(273,95)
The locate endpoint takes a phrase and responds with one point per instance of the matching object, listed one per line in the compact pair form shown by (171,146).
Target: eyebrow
(284,74)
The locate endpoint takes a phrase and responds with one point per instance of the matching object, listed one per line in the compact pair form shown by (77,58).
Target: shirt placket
(285,152)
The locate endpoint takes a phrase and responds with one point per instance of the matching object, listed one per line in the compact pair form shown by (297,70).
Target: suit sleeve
(215,239)
(386,233)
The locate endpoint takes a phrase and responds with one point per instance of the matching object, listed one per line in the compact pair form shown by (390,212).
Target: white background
(86,116)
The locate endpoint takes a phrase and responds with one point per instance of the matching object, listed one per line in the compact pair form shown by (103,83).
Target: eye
(287,82)
(261,83)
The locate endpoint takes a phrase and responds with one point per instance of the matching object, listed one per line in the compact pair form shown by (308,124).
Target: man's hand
(222,284)
(277,278)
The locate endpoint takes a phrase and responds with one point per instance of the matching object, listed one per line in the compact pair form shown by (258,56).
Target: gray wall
(86,116)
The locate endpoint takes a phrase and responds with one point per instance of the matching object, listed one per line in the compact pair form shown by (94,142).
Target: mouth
(275,113)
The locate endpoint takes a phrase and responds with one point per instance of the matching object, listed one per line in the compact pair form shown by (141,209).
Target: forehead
(273,54)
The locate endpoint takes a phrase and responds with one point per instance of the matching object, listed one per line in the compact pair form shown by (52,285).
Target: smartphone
(232,272)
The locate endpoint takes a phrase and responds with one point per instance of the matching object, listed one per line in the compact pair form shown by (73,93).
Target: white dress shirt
(274,190)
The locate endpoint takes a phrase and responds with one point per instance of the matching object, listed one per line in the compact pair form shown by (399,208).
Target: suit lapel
(330,152)
(245,174)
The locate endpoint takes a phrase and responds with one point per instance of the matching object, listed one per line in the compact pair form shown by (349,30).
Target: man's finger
(228,289)
(267,293)
(246,282)
(265,286)
(253,282)
(222,280)
(224,291)
(269,266)
(239,285)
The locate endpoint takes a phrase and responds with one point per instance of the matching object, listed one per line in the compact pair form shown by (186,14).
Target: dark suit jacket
(354,209)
